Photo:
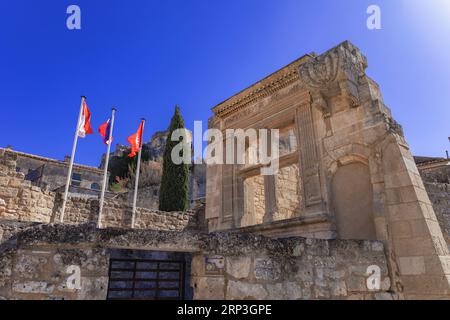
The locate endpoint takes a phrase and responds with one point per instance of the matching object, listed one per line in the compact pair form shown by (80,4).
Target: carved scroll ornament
(336,72)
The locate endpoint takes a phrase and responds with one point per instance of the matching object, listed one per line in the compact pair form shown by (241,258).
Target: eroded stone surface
(245,291)
(239,267)
(256,267)
(38,287)
(209,288)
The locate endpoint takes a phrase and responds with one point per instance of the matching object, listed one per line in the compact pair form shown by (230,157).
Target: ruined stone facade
(348,215)
(358,179)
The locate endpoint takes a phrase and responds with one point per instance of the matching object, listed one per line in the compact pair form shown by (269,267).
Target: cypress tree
(173,195)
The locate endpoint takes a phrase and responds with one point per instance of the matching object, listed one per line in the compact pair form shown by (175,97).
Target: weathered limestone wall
(436,175)
(342,124)
(437,185)
(43,273)
(439,194)
(8,229)
(292,269)
(118,215)
(225,265)
(148,197)
(20,201)
(287,188)
(254,205)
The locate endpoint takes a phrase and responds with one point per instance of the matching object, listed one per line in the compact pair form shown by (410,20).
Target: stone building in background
(52,174)
(349,215)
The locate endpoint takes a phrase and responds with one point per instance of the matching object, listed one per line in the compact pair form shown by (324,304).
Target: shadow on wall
(353,202)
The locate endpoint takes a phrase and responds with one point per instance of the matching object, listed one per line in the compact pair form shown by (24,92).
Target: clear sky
(145,56)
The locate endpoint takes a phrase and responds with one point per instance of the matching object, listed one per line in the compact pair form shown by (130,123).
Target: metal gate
(144,279)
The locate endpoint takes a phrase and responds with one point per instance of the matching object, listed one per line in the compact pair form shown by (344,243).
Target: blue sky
(145,56)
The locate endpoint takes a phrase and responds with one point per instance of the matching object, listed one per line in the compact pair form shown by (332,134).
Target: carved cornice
(320,71)
(336,72)
(264,88)
(342,62)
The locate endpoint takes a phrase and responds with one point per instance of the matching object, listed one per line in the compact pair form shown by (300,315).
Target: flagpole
(136,185)
(72,158)
(105,173)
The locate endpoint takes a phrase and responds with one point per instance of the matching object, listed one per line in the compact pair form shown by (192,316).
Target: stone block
(377,246)
(386,284)
(209,288)
(409,247)
(15,183)
(7,192)
(305,271)
(91,261)
(93,288)
(30,266)
(437,265)
(275,291)
(267,269)
(357,284)
(237,290)
(5,270)
(322,292)
(293,290)
(238,267)
(383,296)
(34,287)
(405,211)
(338,289)
(4,180)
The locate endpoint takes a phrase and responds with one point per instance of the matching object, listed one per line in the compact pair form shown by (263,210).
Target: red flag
(105,130)
(136,140)
(85,124)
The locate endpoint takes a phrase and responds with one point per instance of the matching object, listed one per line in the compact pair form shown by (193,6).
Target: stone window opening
(95,186)
(278,197)
(76,180)
(254,201)
(288,140)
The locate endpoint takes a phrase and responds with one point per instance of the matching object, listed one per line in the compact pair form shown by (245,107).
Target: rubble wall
(20,201)
(42,261)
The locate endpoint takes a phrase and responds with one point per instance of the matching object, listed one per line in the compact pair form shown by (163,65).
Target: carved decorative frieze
(269,86)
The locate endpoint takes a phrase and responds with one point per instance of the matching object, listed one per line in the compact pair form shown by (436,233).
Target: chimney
(67,159)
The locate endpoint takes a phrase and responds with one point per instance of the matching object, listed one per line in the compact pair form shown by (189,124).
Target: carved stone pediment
(334,73)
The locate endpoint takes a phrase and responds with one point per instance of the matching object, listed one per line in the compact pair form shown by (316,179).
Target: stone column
(213,187)
(270,198)
(332,76)
(309,161)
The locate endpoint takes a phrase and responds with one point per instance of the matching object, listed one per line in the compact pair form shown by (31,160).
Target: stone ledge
(290,227)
